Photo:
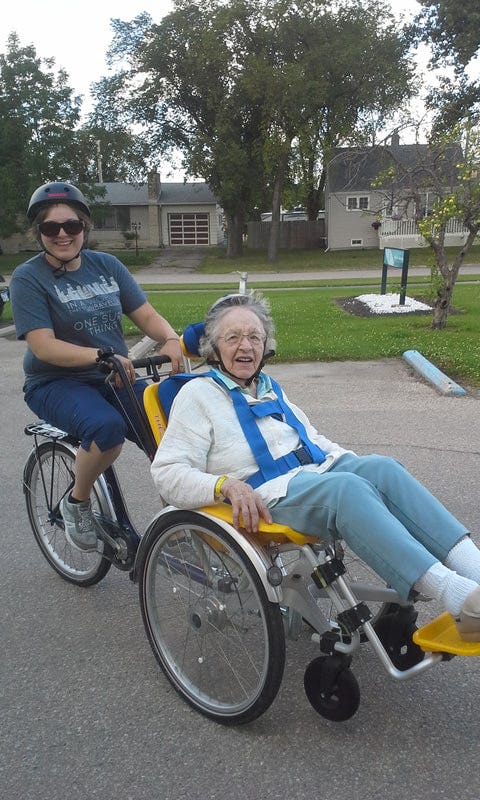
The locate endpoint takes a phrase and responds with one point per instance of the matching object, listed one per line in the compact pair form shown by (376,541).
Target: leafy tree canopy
(238,86)
(38,116)
(453,30)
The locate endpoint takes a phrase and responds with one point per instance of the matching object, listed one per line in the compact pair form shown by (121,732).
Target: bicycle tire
(48,474)
(215,634)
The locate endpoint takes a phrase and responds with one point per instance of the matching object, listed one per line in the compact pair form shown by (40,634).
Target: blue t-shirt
(83,307)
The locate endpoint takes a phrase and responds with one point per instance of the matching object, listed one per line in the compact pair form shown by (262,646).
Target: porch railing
(408,227)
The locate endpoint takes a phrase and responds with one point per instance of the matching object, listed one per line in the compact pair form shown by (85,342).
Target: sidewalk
(180,265)
(157,273)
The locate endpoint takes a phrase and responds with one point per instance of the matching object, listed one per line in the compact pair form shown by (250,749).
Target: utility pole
(99,162)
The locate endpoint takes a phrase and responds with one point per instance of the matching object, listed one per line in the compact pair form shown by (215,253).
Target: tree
(236,85)
(359,61)
(452,28)
(187,76)
(38,116)
(460,201)
(110,150)
(439,182)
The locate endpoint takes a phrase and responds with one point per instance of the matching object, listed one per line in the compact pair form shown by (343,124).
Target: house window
(112,218)
(358,202)
(188,228)
(356,242)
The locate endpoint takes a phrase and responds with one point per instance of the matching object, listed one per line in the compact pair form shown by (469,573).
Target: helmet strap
(61,270)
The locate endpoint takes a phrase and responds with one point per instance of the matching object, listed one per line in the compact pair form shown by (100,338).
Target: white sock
(445,585)
(464,558)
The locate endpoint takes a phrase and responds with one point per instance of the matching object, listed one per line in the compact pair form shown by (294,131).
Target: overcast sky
(78,35)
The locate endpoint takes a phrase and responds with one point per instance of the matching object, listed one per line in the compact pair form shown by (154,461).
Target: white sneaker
(468,623)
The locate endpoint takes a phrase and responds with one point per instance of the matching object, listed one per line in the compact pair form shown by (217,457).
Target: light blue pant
(386,516)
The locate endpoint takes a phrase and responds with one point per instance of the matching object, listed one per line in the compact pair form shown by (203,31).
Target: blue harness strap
(248,413)
(269,467)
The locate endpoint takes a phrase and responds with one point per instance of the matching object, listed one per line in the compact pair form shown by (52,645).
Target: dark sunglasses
(72,227)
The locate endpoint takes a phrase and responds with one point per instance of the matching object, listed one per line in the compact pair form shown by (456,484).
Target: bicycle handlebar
(108,362)
(149,361)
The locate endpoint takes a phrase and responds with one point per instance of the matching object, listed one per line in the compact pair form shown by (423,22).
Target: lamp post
(136,227)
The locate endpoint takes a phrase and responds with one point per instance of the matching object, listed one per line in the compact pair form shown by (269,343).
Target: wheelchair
(218,605)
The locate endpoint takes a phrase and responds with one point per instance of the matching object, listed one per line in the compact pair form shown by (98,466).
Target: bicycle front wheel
(217,637)
(48,475)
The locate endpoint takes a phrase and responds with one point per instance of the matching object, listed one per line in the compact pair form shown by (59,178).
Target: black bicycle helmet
(56,192)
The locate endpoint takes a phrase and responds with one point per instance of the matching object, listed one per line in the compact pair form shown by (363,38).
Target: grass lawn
(312,327)
(216,263)
(310,324)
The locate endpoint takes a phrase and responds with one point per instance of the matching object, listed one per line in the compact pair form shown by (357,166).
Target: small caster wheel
(332,691)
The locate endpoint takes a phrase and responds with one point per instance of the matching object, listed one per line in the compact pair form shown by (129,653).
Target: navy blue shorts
(88,412)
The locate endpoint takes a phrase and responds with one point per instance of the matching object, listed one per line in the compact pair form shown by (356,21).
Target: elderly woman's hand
(247,505)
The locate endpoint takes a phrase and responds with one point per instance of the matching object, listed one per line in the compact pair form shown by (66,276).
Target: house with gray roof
(375,196)
(158,214)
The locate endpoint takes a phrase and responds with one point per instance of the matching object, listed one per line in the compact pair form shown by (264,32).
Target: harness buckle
(303,456)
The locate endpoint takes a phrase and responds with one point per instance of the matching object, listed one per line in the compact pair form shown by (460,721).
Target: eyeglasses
(72,227)
(234,339)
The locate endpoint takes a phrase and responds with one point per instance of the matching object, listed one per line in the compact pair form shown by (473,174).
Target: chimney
(154,186)
(395,140)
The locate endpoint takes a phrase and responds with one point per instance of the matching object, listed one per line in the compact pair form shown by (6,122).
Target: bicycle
(217,605)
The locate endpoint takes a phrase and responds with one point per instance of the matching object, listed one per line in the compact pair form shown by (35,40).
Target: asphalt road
(87,713)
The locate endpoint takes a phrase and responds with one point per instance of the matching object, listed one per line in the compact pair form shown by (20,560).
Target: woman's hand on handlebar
(247,505)
(172,349)
(129,371)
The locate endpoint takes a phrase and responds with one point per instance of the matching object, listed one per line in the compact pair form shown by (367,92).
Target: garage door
(188,228)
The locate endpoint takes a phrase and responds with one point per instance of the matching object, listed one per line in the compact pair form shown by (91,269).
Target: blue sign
(394,257)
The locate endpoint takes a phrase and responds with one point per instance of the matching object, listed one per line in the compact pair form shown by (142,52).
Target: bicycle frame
(120,532)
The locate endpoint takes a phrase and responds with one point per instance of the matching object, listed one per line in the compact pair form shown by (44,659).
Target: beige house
(359,216)
(159,214)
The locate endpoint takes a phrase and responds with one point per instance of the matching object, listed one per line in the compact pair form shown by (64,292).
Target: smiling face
(63,246)
(241,343)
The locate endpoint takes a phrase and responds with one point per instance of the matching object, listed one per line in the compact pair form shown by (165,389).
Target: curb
(432,374)
(7,330)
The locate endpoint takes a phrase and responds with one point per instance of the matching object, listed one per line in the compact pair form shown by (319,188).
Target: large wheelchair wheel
(214,632)
(48,475)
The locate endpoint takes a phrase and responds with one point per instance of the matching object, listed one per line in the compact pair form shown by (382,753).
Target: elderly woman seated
(233,435)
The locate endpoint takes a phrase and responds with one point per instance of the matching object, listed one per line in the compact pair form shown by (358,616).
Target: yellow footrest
(441,636)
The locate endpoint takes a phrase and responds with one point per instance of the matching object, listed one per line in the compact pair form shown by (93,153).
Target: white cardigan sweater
(204,440)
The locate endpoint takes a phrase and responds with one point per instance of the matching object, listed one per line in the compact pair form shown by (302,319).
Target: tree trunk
(442,306)
(449,276)
(274,240)
(235,225)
